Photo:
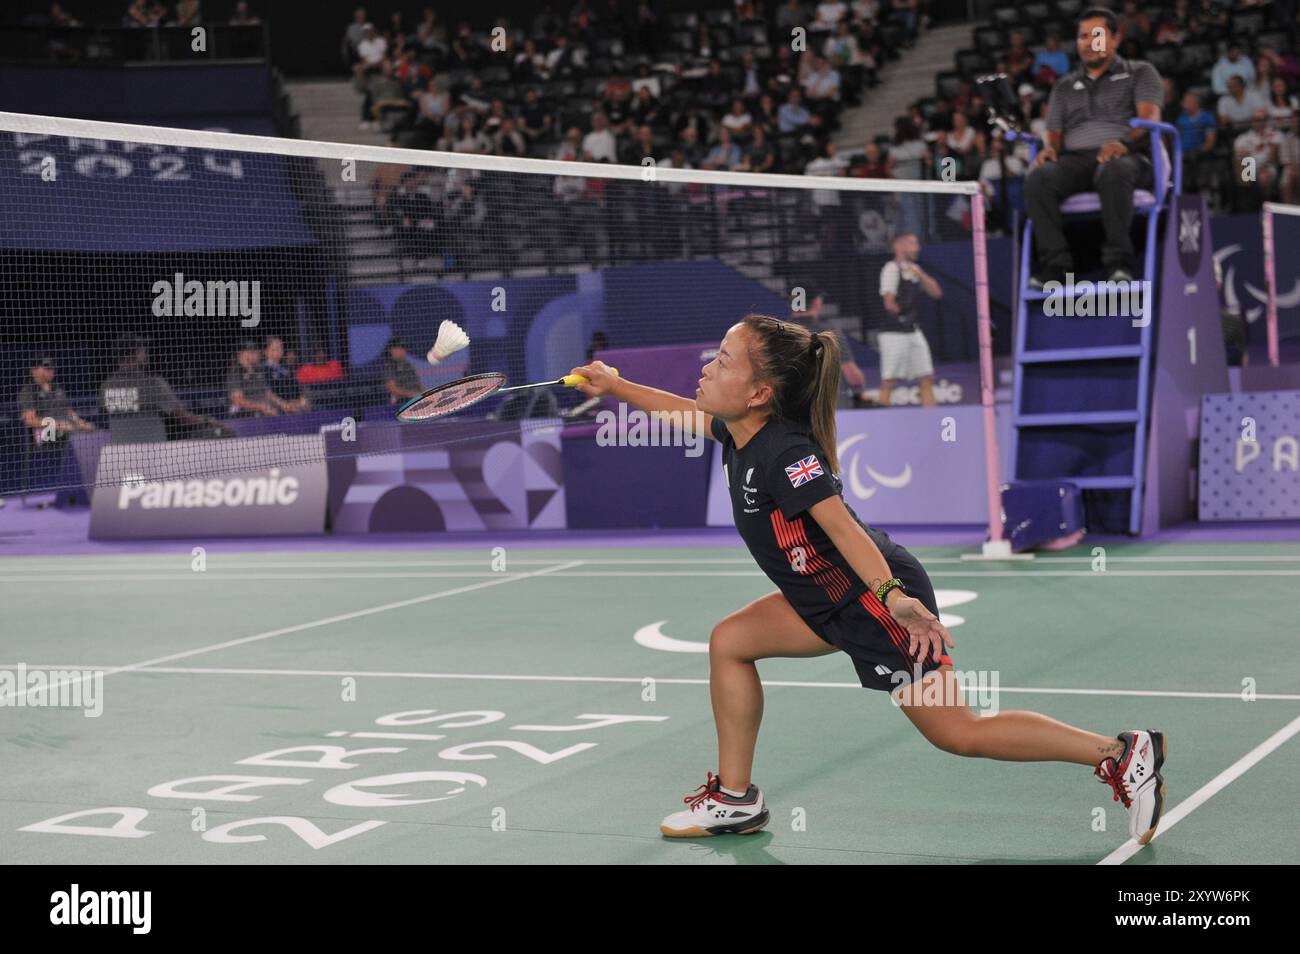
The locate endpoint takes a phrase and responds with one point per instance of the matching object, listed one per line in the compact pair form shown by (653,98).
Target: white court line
(218,560)
(184,559)
(214,575)
(1207,791)
(355,614)
(584,574)
(1026,572)
(674,681)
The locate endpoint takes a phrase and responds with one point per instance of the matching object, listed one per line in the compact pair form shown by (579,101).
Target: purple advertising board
(1250,456)
(451,475)
(141,492)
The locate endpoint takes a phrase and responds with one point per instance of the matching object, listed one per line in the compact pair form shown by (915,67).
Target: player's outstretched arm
(600,382)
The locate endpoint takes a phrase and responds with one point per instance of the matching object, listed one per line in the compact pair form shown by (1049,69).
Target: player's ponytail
(803,369)
(825,394)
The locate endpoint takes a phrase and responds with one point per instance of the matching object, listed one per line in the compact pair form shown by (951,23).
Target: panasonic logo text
(269,491)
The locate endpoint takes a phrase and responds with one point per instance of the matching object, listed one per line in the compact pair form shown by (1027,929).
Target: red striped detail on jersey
(842,582)
(778,527)
(897,634)
(830,578)
(792,533)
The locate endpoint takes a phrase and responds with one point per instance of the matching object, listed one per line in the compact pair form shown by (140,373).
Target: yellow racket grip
(573,380)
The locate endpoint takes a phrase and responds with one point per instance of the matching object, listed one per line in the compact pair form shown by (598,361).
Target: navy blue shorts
(874,640)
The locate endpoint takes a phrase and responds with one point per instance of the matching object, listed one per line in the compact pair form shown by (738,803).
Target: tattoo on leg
(1111,749)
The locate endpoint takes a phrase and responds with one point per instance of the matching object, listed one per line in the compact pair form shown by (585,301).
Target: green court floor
(556,710)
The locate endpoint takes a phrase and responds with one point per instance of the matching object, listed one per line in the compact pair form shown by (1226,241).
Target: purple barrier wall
(450,475)
(1250,456)
(136,95)
(674,368)
(626,487)
(898,468)
(613,487)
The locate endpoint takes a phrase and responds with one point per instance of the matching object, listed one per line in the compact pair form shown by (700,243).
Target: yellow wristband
(883,591)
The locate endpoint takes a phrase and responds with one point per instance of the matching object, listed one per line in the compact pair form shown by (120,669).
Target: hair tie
(816,346)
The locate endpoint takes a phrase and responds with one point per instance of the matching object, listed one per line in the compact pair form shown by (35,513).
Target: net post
(996,546)
(1270,279)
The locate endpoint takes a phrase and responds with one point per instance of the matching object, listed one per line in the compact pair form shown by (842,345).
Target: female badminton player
(769,396)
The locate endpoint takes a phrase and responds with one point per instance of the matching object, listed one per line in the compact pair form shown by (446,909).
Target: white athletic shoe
(714,812)
(1136,780)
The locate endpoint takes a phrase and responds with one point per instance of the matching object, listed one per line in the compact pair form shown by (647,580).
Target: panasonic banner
(921,465)
(184,488)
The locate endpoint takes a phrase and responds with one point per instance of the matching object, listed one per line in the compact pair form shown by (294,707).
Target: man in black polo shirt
(1091,148)
(48,414)
(43,403)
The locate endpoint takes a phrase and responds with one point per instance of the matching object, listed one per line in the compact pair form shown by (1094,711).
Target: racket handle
(573,380)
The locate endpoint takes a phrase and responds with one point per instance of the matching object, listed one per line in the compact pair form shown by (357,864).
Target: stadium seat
(1247,24)
(948,83)
(1033,32)
(1196,58)
(973,61)
(1164,59)
(1062,28)
(1084,202)
(989,39)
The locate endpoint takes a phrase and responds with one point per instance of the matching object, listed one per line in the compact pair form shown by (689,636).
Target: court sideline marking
(581,574)
(1207,791)
(33,564)
(299,627)
(638,680)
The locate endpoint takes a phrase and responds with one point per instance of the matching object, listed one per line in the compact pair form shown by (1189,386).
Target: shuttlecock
(451,338)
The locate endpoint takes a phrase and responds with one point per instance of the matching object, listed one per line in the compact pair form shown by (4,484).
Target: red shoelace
(694,800)
(1115,779)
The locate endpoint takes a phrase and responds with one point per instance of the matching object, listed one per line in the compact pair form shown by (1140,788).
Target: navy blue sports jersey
(773,480)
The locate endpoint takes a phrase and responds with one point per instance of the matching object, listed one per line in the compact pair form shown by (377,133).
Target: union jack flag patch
(804,471)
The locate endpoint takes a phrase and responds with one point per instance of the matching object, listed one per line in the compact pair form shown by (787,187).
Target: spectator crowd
(725,88)
(1230,79)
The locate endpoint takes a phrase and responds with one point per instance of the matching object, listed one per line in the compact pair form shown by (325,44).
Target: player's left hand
(927,636)
(1111,150)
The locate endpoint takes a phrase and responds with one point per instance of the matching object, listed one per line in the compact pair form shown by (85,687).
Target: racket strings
(451,397)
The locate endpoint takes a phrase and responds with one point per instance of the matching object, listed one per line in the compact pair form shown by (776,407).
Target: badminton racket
(459,394)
